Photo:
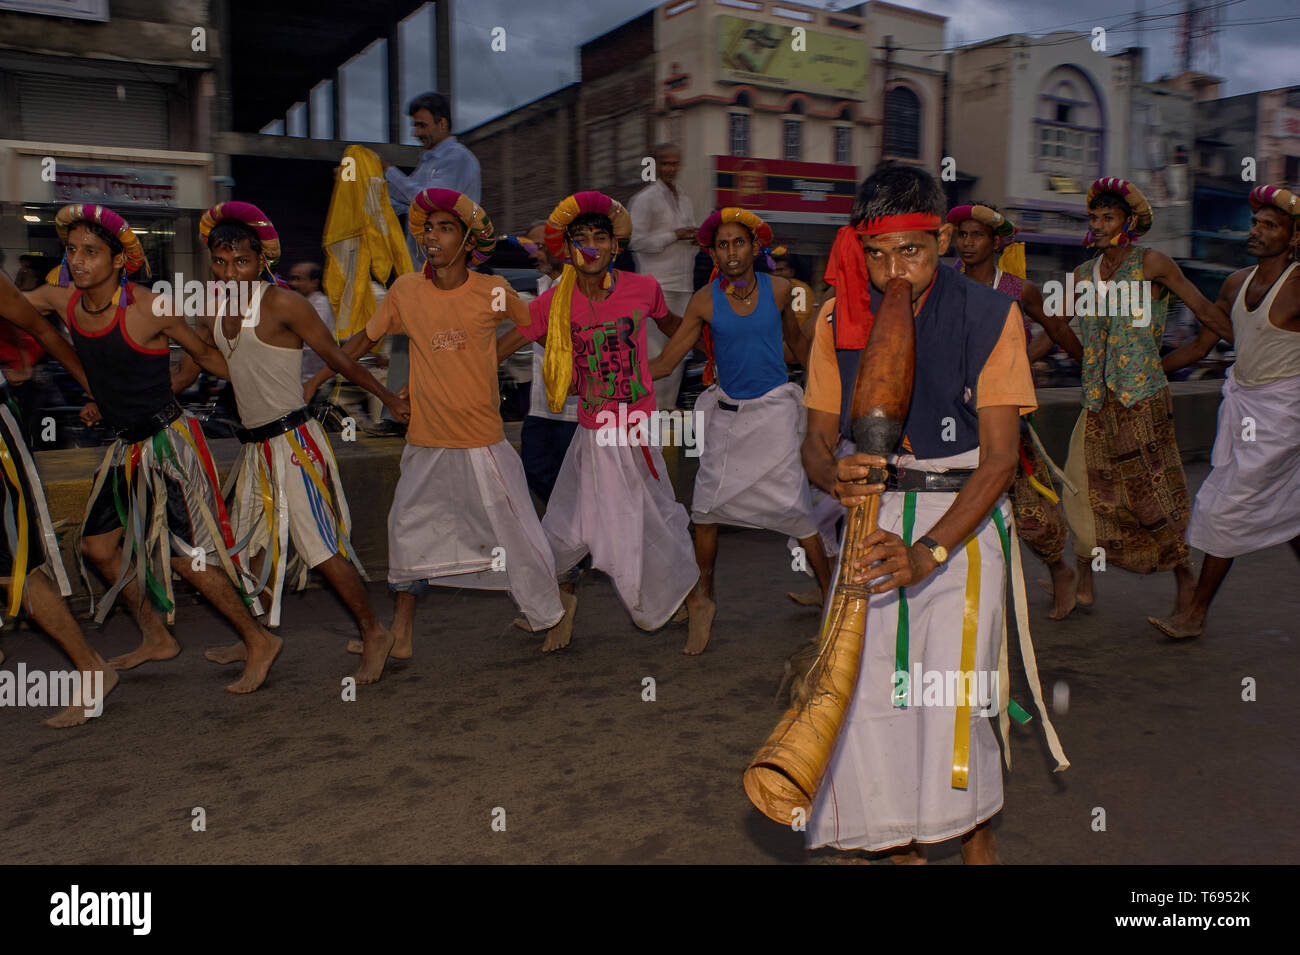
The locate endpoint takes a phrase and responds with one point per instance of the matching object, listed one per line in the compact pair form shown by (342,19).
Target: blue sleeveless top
(748,349)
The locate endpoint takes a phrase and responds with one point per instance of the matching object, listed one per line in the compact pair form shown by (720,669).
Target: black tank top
(130,383)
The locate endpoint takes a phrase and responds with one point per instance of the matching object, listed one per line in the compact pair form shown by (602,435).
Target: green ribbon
(1014,709)
(153,587)
(901,649)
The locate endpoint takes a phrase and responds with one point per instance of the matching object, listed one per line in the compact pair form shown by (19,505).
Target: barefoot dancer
(461,514)
(613,498)
(1251,500)
(29,551)
(750,475)
(983,231)
(1130,495)
(909,769)
(155,506)
(288,498)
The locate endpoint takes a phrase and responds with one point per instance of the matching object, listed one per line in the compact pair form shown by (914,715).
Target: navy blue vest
(956,331)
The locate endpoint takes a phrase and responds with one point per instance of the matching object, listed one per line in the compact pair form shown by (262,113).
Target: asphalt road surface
(480,726)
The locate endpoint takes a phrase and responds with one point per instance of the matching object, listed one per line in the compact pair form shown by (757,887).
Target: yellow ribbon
(19,573)
(969,630)
(557,362)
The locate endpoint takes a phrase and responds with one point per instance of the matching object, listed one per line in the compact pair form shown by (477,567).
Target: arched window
(902,123)
(1068,125)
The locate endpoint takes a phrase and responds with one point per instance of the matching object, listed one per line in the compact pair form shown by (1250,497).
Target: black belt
(146,428)
(269,430)
(726,406)
(910,479)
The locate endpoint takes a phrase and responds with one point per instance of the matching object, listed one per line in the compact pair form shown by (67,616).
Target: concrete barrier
(370,468)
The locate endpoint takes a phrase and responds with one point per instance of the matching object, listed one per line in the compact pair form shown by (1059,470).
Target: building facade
(79,123)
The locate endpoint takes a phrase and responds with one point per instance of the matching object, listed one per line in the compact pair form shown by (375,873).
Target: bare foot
(76,713)
(400,650)
(260,657)
(913,854)
(231,654)
(378,642)
(1063,580)
(701,611)
(813,597)
(978,847)
(1179,626)
(1083,590)
(560,634)
(149,649)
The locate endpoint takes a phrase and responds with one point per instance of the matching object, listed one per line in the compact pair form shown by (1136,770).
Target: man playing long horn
(982,236)
(1251,500)
(1129,504)
(749,463)
(916,762)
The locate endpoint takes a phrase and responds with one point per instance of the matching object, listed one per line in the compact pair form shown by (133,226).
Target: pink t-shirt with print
(610,360)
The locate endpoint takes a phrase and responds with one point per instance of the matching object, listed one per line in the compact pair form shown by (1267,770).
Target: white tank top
(1265,352)
(267,378)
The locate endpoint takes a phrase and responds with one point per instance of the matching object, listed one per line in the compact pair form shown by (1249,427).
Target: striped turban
(252,217)
(481,237)
(103,216)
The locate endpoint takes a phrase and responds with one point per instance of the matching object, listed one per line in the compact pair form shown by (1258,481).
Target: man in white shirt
(304,278)
(664,231)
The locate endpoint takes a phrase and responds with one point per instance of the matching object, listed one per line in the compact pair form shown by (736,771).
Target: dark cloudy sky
(1256,44)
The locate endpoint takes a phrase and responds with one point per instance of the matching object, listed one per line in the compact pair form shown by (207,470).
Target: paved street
(586,771)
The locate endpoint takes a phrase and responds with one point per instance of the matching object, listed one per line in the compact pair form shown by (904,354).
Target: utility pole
(884,93)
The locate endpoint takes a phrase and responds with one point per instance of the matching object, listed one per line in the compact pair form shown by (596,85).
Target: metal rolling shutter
(64,109)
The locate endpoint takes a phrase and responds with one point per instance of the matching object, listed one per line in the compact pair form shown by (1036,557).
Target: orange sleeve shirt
(455,399)
(1005,378)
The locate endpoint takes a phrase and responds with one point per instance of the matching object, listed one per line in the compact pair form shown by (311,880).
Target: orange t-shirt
(1005,378)
(455,400)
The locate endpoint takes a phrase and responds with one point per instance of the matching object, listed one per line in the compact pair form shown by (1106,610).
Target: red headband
(909,222)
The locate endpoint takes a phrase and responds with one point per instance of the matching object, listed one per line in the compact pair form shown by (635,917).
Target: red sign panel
(775,185)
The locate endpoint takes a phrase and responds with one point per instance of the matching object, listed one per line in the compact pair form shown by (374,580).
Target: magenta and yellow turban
(1012,260)
(1278,197)
(69,215)
(575,205)
(557,363)
(760,230)
(1142,217)
(252,217)
(478,227)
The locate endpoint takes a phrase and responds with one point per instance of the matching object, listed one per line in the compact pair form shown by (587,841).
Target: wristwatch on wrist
(937,550)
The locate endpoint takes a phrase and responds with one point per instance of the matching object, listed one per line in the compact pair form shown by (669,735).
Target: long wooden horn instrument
(785,773)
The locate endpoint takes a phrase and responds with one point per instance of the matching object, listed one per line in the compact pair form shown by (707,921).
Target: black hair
(798,265)
(897,190)
(113,242)
(228,233)
(594,220)
(313,269)
(1110,200)
(439,106)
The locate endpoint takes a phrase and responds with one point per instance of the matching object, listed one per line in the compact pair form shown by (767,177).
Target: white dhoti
(288,500)
(616,503)
(462,517)
(890,780)
(1251,500)
(750,471)
(826,511)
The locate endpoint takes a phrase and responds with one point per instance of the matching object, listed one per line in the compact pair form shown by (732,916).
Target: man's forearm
(818,462)
(974,501)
